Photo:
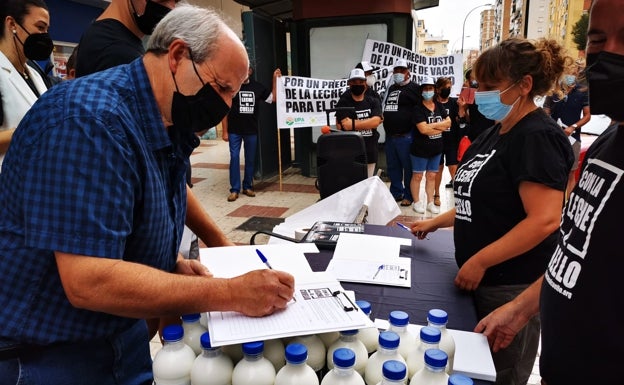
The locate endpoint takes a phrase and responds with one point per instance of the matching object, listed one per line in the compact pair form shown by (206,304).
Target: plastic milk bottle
(211,367)
(438,318)
(387,350)
(296,371)
(172,364)
(343,372)
(368,336)
(348,339)
(253,369)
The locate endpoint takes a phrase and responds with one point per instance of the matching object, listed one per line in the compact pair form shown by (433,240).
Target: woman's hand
(470,274)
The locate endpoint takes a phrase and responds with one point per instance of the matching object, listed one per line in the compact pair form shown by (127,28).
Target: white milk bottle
(438,318)
(433,373)
(343,372)
(429,339)
(398,324)
(328,338)
(274,352)
(394,373)
(316,350)
(234,351)
(172,364)
(253,369)
(211,367)
(296,371)
(368,336)
(348,339)
(193,331)
(459,379)
(388,349)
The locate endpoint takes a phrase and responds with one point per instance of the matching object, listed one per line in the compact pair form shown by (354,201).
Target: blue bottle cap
(436,358)
(204,340)
(394,370)
(296,353)
(172,333)
(459,379)
(365,306)
(399,318)
(437,316)
(344,358)
(191,317)
(252,348)
(389,340)
(349,332)
(430,334)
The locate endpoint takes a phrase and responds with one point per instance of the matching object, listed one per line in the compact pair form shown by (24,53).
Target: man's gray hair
(200,28)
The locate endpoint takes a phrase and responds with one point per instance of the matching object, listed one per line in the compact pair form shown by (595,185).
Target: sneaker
(249,192)
(419,207)
(232,197)
(406,202)
(436,200)
(433,208)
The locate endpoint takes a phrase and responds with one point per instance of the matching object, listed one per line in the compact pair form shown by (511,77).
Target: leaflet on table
(372,259)
(321,303)
(472,352)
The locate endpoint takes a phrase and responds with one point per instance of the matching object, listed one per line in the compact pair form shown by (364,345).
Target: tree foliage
(579,32)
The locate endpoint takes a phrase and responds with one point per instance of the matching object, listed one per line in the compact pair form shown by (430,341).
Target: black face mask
(605,77)
(197,112)
(357,89)
(445,92)
(37,46)
(153,13)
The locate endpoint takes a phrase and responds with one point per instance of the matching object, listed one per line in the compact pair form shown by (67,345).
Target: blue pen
(401,225)
(263,259)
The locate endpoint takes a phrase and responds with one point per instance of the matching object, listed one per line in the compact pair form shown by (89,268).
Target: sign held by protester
(383,54)
(301,102)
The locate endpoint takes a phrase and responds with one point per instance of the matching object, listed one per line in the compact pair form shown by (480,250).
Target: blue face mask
(428,95)
(490,105)
(569,80)
(398,78)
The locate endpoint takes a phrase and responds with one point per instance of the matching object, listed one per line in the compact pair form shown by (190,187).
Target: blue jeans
(399,165)
(251,143)
(123,359)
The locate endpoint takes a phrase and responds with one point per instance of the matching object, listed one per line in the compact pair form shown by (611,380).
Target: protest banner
(301,102)
(383,55)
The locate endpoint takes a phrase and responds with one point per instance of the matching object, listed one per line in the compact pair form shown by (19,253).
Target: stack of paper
(321,304)
(372,259)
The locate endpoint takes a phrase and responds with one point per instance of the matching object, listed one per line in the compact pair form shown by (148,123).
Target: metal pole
(464,25)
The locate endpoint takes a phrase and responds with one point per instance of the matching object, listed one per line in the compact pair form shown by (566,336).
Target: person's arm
(434,128)
(501,325)
(5,139)
(361,124)
(198,220)
(224,129)
(276,74)
(110,286)
(543,206)
(421,228)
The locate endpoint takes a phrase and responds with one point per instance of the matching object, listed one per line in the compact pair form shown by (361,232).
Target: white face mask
(398,78)
(370,80)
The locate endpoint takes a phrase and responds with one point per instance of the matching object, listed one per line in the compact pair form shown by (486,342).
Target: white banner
(301,102)
(383,54)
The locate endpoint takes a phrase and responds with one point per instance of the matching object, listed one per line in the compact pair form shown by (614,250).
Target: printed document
(371,259)
(321,303)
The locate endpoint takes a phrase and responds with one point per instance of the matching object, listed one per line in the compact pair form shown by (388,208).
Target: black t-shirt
(451,137)
(487,200)
(581,305)
(569,108)
(399,108)
(478,122)
(426,146)
(106,43)
(367,108)
(243,117)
